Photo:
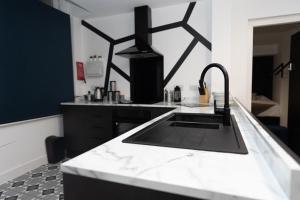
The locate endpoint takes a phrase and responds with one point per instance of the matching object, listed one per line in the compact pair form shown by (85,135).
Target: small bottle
(93,58)
(89,96)
(110,96)
(177,94)
(171,96)
(166,96)
(116,96)
(113,86)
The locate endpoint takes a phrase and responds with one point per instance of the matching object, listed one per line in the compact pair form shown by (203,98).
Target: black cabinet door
(294,96)
(157,111)
(127,118)
(86,127)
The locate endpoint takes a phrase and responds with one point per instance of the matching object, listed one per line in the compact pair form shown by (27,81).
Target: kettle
(97,94)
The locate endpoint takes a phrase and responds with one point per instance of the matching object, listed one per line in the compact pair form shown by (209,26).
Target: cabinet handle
(95,126)
(98,116)
(98,138)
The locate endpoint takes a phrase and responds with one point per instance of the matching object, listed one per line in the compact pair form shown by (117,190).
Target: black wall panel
(35,60)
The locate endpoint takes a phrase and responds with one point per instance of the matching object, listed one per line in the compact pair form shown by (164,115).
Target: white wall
(232,37)
(22,145)
(76,54)
(221,42)
(262,50)
(171,43)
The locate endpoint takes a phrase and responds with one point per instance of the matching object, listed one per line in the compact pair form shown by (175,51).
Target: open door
(294,95)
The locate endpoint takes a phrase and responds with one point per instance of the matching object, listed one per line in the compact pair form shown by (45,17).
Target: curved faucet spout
(226,110)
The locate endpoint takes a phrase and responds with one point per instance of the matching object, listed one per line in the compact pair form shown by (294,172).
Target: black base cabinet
(79,188)
(86,127)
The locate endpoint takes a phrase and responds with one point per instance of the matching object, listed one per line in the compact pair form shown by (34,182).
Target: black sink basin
(192,131)
(196,120)
(190,117)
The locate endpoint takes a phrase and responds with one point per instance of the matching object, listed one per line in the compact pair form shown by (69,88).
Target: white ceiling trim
(103,8)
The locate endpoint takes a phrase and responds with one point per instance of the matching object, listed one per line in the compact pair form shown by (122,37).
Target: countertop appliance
(97,94)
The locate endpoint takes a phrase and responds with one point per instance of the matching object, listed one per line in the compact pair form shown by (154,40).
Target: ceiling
(101,8)
(277,28)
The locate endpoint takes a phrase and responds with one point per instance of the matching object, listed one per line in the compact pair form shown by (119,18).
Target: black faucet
(226,110)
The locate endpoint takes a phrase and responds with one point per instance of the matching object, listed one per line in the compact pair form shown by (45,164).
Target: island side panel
(79,187)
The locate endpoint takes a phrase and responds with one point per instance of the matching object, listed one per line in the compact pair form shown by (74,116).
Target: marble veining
(200,174)
(283,166)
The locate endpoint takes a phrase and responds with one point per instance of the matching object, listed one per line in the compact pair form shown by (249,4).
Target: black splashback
(147,80)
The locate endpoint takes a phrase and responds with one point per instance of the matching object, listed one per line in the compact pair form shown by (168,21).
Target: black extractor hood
(143,38)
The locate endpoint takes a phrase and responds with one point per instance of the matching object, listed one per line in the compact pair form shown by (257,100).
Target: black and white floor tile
(44,183)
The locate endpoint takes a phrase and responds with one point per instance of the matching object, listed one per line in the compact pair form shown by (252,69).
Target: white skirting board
(21,169)
(22,145)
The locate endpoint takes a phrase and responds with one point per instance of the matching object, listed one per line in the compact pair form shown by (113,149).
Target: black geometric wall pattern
(184,24)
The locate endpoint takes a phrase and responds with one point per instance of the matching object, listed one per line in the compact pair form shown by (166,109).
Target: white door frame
(252,23)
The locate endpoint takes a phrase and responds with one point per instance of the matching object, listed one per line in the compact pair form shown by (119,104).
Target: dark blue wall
(35,60)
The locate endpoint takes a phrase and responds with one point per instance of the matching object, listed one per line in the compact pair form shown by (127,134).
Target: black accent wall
(36,72)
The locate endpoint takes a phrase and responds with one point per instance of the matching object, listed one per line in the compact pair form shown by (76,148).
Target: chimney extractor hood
(143,39)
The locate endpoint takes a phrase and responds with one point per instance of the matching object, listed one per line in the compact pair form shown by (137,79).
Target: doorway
(294,96)
(275,80)
(262,75)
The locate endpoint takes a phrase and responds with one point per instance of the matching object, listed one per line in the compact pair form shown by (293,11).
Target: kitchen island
(132,171)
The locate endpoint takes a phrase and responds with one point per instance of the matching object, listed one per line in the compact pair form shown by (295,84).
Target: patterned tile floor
(44,183)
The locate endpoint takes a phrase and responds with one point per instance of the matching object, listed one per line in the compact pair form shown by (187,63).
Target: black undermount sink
(192,131)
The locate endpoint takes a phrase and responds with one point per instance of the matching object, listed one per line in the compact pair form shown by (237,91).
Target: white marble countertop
(266,172)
